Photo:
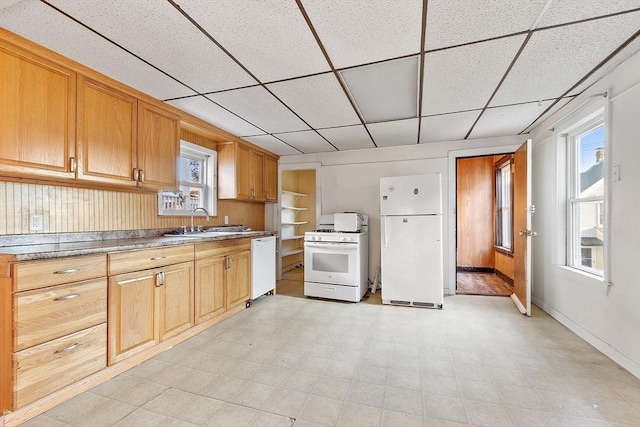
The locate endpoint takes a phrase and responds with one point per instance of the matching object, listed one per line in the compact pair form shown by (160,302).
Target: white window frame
(209,158)
(501,208)
(573,247)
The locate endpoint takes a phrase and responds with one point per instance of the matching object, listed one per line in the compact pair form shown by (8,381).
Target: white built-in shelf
(293,208)
(292,252)
(294,223)
(296,237)
(293,193)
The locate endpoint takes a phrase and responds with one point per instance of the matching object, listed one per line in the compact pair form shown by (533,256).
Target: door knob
(528,233)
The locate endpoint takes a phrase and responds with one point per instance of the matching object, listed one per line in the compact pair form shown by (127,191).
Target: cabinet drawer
(124,262)
(221,247)
(44,314)
(48,367)
(40,274)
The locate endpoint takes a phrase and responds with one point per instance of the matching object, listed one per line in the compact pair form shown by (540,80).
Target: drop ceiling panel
(400,132)
(348,138)
(566,11)
(451,23)
(272,144)
(385,91)
(361,31)
(159,34)
(510,120)
(256,105)
(270,38)
(447,127)
(208,111)
(34,21)
(479,66)
(319,100)
(573,49)
(307,141)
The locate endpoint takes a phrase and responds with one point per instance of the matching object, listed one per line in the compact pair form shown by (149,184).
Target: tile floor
(290,361)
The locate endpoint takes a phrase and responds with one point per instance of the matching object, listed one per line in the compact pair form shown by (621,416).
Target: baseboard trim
(601,346)
(476,269)
(504,277)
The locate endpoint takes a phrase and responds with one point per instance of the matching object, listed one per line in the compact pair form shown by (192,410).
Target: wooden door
(257,176)
(107,123)
(522,228)
(271,178)
(158,148)
(37,110)
(238,278)
(132,314)
(209,288)
(176,299)
(243,172)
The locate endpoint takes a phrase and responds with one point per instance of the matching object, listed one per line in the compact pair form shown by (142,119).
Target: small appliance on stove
(336,263)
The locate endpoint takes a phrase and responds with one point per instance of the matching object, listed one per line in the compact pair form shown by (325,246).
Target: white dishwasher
(263,265)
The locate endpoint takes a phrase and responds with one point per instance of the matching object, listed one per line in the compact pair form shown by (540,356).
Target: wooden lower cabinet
(148,306)
(223,277)
(45,368)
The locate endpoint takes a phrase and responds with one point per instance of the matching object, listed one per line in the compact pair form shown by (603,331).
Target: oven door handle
(324,245)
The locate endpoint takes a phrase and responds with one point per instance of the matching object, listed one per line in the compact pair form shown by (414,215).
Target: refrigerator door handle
(384,231)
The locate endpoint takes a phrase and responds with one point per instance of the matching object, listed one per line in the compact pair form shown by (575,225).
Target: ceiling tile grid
(270,38)
(454,22)
(447,127)
(319,100)
(569,11)
(399,132)
(306,141)
(209,111)
(348,137)
(258,106)
(557,58)
(34,20)
(159,34)
(357,32)
(273,144)
(479,66)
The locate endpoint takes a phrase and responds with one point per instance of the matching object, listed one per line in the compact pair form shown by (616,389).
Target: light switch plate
(35,222)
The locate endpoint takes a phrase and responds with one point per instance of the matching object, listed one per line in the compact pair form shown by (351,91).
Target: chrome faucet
(194,211)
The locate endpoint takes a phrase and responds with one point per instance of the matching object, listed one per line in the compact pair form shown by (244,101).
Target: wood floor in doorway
(471,283)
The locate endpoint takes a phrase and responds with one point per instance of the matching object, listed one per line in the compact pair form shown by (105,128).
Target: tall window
(197,174)
(504,197)
(586,196)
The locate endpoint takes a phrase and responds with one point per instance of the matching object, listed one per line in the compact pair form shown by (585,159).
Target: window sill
(504,251)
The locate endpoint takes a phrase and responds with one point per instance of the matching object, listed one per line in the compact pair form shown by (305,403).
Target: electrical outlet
(226,220)
(35,222)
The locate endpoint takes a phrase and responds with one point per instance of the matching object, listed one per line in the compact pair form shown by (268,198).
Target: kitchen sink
(209,233)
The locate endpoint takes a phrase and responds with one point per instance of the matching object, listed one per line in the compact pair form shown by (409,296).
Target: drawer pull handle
(67,297)
(158,258)
(67,271)
(68,348)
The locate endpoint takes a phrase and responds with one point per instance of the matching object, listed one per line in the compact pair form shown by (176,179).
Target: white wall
(351,181)
(607,317)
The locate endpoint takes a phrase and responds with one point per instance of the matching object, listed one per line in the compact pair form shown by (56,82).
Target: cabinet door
(257,176)
(175,298)
(158,147)
(107,123)
(271,178)
(243,172)
(238,278)
(209,295)
(132,314)
(37,110)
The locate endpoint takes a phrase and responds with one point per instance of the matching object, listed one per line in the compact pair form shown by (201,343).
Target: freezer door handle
(384,231)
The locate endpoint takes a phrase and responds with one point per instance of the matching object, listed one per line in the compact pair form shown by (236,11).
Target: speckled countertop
(47,246)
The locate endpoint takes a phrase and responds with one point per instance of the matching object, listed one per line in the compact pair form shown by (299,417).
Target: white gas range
(336,263)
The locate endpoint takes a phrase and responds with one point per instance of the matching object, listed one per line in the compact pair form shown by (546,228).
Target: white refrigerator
(411,240)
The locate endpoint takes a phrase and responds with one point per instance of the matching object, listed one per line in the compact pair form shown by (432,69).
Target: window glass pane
(591,163)
(591,235)
(193,197)
(504,206)
(190,170)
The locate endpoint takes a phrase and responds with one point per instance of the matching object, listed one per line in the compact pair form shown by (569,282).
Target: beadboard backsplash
(70,209)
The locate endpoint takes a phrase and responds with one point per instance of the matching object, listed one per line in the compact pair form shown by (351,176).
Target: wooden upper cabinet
(37,112)
(107,124)
(158,147)
(271,178)
(242,173)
